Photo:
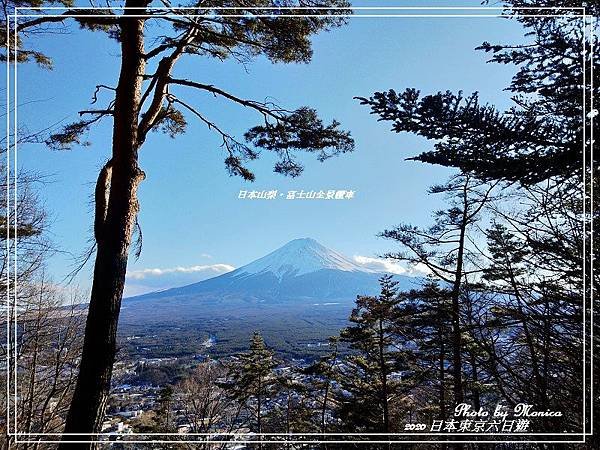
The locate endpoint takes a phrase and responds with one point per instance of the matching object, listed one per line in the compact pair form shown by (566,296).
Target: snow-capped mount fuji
(302,271)
(296,296)
(299,257)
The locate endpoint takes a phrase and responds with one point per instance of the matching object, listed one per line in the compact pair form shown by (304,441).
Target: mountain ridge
(302,270)
(301,256)
(297,295)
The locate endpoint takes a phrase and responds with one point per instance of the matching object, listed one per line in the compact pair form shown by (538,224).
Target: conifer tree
(541,135)
(372,373)
(323,373)
(252,381)
(445,250)
(164,413)
(291,412)
(528,325)
(541,314)
(425,325)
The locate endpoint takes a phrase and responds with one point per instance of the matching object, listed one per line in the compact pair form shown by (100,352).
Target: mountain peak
(305,240)
(304,243)
(301,256)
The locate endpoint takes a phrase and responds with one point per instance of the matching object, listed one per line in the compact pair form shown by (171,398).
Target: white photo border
(11,303)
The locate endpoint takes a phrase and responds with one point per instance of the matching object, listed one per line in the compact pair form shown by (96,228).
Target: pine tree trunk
(384,375)
(116,210)
(456,288)
(475,392)
(442,391)
(324,408)
(259,415)
(455,310)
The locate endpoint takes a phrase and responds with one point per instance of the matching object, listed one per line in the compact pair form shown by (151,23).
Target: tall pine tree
(251,380)
(445,249)
(373,371)
(425,325)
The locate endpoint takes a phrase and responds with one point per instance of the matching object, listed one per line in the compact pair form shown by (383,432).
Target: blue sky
(193,223)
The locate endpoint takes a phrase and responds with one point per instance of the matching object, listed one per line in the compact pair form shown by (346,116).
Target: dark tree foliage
(425,324)
(373,372)
(532,331)
(522,303)
(163,414)
(446,250)
(292,411)
(539,137)
(251,380)
(279,39)
(302,129)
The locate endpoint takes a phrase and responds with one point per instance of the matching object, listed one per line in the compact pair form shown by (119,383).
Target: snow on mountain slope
(302,271)
(299,257)
(300,283)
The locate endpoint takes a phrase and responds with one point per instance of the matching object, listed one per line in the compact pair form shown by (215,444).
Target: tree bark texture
(115,217)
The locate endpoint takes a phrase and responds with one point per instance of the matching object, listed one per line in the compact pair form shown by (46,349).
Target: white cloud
(421,269)
(379,264)
(131,290)
(149,280)
(389,266)
(147,273)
